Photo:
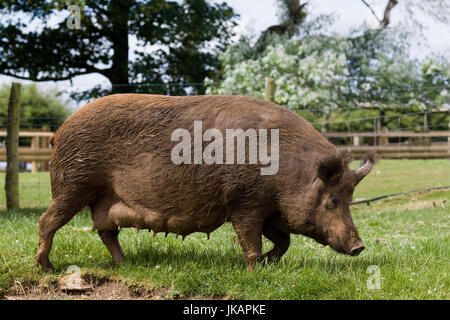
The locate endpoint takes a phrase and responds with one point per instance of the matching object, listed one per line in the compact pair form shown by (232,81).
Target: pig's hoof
(45,264)
(118,262)
(269,258)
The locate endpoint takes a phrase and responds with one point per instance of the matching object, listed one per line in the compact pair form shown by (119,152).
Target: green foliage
(38,107)
(324,77)
(435,82)
(382,74)
(177,42)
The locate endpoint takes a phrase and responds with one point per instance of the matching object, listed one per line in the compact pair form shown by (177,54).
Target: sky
(258,15)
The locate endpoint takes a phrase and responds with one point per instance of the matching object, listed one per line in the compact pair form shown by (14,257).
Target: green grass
(407,237)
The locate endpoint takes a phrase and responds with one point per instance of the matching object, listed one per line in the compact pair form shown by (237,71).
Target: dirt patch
(94,288)
(100,289)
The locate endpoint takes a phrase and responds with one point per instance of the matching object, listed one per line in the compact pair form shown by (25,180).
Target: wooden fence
(416,146)
(38,154)
(405,145)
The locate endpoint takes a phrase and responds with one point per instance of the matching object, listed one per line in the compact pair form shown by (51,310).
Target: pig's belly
(109,214)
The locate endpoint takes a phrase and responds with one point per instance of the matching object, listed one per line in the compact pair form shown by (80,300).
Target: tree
(178,42)
(292,14)
(324,78)
(309,73)
(435,83)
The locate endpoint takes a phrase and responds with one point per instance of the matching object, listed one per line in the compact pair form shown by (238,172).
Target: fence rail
(38,154)
(29,154)
(24,133)
(417,145)
(40,151)
(388,134)
(400,152)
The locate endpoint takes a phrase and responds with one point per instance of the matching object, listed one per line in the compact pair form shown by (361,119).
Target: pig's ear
(330,168)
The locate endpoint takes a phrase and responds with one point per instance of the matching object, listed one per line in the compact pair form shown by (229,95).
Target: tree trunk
(118,75)
(12,149)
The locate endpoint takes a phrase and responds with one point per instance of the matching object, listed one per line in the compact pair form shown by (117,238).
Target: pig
(114,156)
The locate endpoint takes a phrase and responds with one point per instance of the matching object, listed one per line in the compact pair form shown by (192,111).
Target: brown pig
(121,157)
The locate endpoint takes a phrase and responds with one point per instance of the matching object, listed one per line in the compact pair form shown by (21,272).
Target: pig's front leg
(111,240)
(274,231)
(249,231)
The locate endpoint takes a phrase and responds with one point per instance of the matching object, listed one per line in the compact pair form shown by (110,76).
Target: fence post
(419,141)
(384,140)
(12,148)
(379,129)
(375,131)
(270,89)
(426,140)
(34,146)
(44,143)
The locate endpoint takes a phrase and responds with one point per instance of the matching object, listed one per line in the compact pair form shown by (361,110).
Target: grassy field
(406,238)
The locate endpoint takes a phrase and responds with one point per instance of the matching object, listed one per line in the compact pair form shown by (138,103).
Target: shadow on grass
(188,257)
(181,255)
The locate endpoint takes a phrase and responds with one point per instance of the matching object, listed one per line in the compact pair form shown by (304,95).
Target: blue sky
(257,15)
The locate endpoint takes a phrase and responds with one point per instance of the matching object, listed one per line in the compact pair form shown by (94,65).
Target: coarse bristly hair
(114,155)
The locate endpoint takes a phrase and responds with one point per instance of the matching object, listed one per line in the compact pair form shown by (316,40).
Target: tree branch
(295,14)
(387,13)
(371,10)
(32,78)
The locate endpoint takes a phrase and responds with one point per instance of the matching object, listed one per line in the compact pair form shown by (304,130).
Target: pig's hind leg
(59,212)
(107,229)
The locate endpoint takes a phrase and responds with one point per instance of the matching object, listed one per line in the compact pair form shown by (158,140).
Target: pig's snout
(356,249)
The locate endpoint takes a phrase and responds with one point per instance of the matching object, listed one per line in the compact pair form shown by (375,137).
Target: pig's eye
(334,201)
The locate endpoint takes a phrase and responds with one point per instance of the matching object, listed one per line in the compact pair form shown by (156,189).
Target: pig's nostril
(356,250)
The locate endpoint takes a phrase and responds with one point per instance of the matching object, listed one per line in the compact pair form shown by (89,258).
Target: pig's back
(127,138)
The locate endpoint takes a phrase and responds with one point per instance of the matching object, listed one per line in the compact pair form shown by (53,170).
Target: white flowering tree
(326,77)
(369,73)
(309,73)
